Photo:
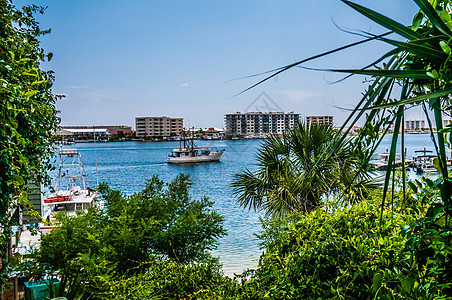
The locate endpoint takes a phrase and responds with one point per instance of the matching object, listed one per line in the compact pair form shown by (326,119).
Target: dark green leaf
(433,16)
(417,20)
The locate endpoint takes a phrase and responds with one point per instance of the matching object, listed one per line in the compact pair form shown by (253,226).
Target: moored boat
(382,165)
(72,192)
(424,161)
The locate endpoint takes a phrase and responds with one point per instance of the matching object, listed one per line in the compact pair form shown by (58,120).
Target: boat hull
(213,156)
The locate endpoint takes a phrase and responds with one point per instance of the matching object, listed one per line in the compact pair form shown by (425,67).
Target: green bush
(169,280)
(347,254)
(131,235)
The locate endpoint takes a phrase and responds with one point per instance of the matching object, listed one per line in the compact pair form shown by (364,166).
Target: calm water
(126,166)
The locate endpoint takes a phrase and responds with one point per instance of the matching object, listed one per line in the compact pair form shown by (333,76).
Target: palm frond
(385,21)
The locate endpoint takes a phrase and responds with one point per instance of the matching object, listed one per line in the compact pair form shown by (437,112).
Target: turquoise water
(126,166)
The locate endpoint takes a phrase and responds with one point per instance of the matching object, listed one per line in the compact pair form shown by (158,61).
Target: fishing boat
(188,153)
(72,192)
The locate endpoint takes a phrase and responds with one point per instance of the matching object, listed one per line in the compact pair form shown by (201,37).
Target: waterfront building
(259,124)
(320,120)
(112,129)
(87,133)
(158,127)
(213,133)
(81,134)
(414,125)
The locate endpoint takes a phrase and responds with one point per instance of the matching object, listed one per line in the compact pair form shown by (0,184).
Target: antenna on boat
(95,155)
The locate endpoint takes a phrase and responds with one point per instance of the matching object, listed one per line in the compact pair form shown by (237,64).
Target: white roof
(88,130)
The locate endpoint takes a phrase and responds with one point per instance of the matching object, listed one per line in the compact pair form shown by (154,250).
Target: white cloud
(185,84)
(298,95)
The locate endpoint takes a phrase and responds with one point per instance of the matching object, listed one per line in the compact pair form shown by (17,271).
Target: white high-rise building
(414,124)
(259,124)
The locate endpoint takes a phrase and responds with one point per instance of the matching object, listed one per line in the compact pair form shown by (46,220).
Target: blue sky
(117,60)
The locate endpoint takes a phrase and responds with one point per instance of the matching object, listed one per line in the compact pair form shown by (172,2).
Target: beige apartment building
(321,120)
(157,127)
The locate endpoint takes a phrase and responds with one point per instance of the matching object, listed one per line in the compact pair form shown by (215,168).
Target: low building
(319,120)
(158,127)
(88,133)
(213,133)
(85,134)
(259,124)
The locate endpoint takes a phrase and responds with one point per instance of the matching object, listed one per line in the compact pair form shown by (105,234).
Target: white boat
(72,192)
(424,161)
(189,153)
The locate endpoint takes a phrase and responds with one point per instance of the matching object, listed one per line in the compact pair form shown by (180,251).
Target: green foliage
(296,172)
(169,280)
(422,67)
(344,254)
(27,113)
(428,249)
(131,234)
(184,229)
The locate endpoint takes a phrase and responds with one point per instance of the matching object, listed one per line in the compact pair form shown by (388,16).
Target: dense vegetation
(335,254)
(155,233)
(27,114)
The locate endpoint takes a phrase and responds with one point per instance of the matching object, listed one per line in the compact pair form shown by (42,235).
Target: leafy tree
(27,113)
(131,234)
(296,171)
(186,230)
(333,255)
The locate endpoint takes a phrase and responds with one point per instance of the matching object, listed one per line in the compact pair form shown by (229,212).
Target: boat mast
(192,137)
(95,155)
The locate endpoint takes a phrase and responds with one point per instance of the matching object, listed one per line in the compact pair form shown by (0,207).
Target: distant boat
(72,190)
(189,153)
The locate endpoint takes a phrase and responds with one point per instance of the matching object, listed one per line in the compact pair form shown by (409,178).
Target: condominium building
(320,120)
(155,127)
(414,124)
(259,124)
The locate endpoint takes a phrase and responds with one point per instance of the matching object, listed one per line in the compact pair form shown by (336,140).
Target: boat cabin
(190,152)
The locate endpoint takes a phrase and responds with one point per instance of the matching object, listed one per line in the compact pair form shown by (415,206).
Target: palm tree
(295,172)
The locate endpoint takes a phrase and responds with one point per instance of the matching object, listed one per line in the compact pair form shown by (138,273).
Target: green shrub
(169,280)
(131,235)
(347,254)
